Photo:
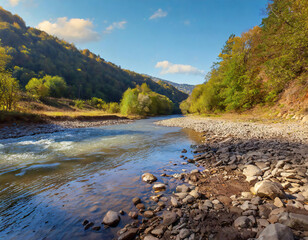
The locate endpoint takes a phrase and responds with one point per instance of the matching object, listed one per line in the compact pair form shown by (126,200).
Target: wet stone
(96,228)
(128,235)
(140,206)
(85,222)
(133,215)
(136,200)
(148,214)
(111,218)
(90,224)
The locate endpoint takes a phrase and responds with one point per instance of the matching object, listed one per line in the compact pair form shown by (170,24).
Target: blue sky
(177,40)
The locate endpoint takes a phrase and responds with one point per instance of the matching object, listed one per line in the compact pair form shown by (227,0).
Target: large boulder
(148,177)
(276,231)
(268,189)
(295,221)
(111,218)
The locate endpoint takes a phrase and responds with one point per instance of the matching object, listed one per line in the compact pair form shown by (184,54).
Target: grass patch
(17,117)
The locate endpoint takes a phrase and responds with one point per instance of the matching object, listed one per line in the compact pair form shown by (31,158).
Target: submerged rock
(136,200)
(148,177)
(159,187)
(111,218)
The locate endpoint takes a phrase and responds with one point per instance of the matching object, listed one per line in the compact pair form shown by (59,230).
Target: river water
(50,183)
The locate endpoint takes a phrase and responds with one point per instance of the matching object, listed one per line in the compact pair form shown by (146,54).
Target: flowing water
(50,183)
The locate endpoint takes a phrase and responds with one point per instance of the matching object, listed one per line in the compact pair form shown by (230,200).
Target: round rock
(159,187)
(148,177)
(111,218)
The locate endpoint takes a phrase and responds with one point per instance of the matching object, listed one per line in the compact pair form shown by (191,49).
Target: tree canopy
(143,101)
(257,66)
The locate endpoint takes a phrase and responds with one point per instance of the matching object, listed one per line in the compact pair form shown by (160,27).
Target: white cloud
(158,14)
(168,67)
(75,30)
(14,2)
(115,25)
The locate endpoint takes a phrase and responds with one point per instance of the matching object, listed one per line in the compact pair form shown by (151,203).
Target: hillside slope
(36,53)
(186,88)
(265,66)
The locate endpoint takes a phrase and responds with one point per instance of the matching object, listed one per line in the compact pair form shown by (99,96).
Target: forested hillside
(36,54)
(260,66)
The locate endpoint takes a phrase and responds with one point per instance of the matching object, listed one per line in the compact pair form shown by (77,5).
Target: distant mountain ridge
(36,53)
(186,88)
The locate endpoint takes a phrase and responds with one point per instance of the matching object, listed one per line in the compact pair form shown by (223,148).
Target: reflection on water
(50,183)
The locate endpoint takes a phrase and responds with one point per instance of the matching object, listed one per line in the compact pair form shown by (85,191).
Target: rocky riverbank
(254,186)
(292,131)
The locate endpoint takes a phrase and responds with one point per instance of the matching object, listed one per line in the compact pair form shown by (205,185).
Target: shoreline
(291,131)
(253,186)
(56,124)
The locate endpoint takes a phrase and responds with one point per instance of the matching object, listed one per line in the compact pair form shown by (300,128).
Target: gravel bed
(291,131)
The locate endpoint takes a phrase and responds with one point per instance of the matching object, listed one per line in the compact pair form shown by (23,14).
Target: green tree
(37,87)
(47,86)
(142,101)
(9,87)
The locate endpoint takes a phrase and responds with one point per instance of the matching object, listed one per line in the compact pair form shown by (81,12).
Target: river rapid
(50,183)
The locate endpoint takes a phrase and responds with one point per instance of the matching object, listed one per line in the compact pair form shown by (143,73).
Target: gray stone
(184,233)
(150,237)
(252,171)
(169,218)
(181,195)
(111,218)
(263,222)
(276,231)
(159,231)
(295,221)
(182,189)
(243,222)
(256,200)
(175,202)
(195,193)
(129,235)
(188,199)
(208,203)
